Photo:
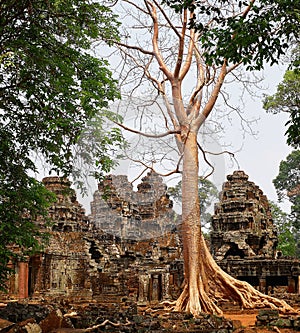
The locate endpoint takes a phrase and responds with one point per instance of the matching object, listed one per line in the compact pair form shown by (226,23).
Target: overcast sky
(258,156)
(261,155)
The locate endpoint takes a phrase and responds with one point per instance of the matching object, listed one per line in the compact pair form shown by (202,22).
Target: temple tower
(242,225)
(119,210)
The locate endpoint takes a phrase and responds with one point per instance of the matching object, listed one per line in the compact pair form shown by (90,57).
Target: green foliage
(287,184)
(263,35)
(22,200)
(99,146)
(207,192)
(287,242)
(50,86)
(287,99)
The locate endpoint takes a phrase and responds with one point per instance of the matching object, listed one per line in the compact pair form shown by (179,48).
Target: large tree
(287,184)
(50,86)
(286,231)
(188,65)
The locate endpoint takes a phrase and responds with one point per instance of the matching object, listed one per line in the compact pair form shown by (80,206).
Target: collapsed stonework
(129,248)
(83,262)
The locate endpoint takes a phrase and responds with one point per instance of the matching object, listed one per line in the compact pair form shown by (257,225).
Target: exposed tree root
(203,297)
(107,322)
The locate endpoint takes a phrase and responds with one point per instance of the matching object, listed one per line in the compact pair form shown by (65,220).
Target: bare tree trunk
(191,231)
(205,281)
(194,298)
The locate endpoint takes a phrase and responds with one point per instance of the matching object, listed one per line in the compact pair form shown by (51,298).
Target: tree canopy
(50,86)
(287,184)
(50,83)
(287,99)
(252,32)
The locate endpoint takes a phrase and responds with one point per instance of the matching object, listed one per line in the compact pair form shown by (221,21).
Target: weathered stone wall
(66,214)
(242,225)
(244,238)
(141,214)
(82,262)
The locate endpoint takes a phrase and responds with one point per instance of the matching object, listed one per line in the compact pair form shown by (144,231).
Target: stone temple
(129,248)
(242,226)
(244,238)
(119,210)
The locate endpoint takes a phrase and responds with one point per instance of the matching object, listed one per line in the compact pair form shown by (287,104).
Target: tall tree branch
(181,45)
(214,95)
(167,19)
(163,67)
(188,61)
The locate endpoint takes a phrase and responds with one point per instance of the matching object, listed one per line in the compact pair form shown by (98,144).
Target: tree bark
(205,282)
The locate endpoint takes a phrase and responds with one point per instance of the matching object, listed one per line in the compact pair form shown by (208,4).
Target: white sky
(260,156)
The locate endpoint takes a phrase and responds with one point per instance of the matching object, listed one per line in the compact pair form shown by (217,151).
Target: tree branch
(148,135)
(189,58)
(133,47)
(206,160)
(157,54)
(147,167)
(181,45)
(214,95)
(167,19)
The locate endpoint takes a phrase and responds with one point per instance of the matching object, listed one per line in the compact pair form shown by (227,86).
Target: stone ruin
(82,262)
(129,248)
(119,210)
(242,225)
(244,238)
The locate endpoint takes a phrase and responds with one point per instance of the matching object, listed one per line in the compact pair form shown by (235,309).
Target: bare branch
(200,82)
(140,175)
(134,47)
(136,6)
(206,160)
(158,56)
(169,109)
(213,97)
(181,45)
(224,152)
(148,167)
(231,68)
(148,135)
(153,80)
(188,61)
(167,18)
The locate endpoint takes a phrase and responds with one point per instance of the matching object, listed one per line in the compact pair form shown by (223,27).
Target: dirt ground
(248,318)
